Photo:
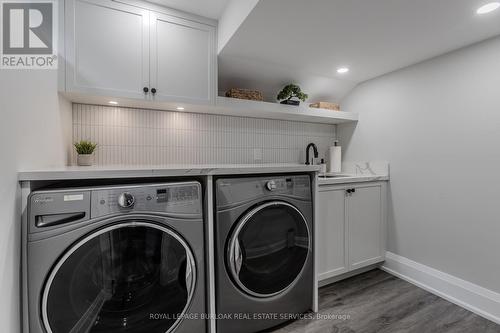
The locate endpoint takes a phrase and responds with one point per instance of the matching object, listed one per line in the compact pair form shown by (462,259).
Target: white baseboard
(346,275)
(472,297)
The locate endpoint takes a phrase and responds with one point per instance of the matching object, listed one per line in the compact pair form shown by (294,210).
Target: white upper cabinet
(107,48)
(115,49)
(182,59)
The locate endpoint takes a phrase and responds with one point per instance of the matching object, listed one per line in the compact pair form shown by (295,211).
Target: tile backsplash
(128,136)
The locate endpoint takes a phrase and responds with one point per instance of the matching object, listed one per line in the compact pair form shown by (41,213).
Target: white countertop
(143,171)
(357,172)
(346,178)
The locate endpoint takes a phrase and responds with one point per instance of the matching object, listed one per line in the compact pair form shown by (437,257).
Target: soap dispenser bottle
(335,158)
(323,166)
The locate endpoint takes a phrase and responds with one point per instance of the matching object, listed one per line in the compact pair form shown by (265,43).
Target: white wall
(438,124)
(35,127)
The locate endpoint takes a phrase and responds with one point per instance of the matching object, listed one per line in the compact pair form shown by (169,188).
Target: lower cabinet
(331,243)
(365,226)
(350,227)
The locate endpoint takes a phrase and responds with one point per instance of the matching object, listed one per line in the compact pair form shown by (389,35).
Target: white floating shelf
(255,109)
(231,107)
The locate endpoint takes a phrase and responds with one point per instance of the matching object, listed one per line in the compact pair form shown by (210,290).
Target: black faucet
(315,150)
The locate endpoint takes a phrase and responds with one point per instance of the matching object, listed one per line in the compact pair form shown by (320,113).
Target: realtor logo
(28,35)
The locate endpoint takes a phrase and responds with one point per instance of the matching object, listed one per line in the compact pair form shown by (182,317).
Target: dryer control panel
(235,190)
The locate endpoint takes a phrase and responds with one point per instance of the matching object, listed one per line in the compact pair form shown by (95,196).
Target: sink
(333,176)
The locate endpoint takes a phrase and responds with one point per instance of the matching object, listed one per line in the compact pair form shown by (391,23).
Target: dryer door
(268,249)
(135,276)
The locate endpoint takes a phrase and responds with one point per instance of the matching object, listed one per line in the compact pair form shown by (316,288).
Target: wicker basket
(326,105)
(253,95)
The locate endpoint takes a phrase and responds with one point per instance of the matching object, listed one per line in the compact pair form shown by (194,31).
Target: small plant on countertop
(84,147)
(291,91)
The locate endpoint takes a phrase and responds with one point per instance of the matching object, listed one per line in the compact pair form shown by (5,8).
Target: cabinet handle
(353,190)
(153,91)
(145,89)
(348,191)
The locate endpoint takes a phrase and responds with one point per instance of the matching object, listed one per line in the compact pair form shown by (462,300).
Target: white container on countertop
(323,166)
(85,159)
(335,158)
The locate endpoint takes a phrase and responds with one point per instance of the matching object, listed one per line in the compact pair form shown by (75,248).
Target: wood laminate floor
(379,302)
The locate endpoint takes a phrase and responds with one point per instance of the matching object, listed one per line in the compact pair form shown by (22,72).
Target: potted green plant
(85,150)
(290,93)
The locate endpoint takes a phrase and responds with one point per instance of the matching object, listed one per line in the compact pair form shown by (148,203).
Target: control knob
(126,200)
(271,185)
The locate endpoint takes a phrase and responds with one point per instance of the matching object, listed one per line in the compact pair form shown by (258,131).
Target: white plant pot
(85,159)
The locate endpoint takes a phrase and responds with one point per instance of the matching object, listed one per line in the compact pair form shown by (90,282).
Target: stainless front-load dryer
(116,259)
(264,242)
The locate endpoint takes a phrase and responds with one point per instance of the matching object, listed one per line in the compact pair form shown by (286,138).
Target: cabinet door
(182,60)
(330,232)
(365,226)
(107,48)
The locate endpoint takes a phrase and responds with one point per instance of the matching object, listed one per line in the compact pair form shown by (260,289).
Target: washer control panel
(126,200)
(179,198)
(271,185)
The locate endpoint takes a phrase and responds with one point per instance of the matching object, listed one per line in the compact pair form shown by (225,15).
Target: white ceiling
(301,40)
(207,8)
(269,78)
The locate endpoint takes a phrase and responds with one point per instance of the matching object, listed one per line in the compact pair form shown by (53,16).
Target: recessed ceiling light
(488,8)
(180,108)
(342,70)
(113,102)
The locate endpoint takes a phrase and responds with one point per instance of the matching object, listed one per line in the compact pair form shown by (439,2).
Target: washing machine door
(268,249)
(134,276)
